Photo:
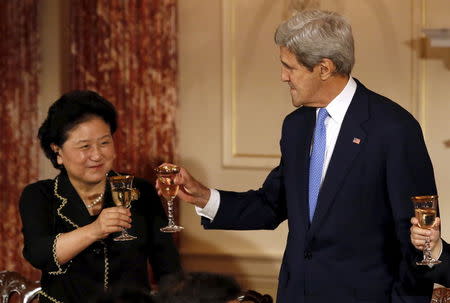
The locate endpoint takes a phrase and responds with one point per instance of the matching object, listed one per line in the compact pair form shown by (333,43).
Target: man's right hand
(190,190)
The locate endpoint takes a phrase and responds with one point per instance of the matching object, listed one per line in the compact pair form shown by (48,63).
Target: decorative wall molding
(233,153)
(418,62)
(231,156)
(439,37)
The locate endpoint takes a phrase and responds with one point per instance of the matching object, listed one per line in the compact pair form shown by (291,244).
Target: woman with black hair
(69,222)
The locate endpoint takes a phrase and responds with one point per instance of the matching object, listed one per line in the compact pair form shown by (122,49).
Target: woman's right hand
(419,235)
(110,220)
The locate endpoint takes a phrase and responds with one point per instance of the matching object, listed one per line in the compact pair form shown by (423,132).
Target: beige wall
(232,104)
(435,105)
(53,75)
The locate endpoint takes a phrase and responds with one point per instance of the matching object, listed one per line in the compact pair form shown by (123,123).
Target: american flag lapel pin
(356,140)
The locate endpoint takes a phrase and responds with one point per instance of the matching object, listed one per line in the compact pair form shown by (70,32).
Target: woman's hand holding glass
(111,220)
(419,236)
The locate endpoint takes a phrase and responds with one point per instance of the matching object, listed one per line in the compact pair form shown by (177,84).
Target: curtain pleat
(19,149)
(126,51)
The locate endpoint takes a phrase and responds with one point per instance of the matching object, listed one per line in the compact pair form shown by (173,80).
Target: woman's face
(88,153)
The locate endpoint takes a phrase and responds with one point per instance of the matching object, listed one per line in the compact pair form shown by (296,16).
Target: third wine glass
(425,208)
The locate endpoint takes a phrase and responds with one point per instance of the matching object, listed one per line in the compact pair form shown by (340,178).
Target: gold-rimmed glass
(166,174)
(123,193)
(425,208)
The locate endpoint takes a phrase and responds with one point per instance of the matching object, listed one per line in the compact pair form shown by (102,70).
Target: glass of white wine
(122,193)
(166,174)
(425,208)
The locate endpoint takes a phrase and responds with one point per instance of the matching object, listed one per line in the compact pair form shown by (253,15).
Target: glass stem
(427,250)
(170,212)
(124,230)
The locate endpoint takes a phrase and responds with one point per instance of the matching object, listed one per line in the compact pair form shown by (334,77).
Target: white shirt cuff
(211,208)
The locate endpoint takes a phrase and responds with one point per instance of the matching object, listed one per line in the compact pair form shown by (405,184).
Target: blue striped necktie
(316,161)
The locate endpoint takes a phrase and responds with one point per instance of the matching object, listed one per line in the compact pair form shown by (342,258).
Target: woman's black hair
(67,112)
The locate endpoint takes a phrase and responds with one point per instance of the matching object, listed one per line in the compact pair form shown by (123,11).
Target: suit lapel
(71,208)
(350,140)
(302,131)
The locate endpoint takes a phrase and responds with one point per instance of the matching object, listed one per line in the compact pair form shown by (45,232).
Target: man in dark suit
(350,161)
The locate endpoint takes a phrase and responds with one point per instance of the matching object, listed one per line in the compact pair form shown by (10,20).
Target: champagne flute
(425,208)
(166,174)
(122,193)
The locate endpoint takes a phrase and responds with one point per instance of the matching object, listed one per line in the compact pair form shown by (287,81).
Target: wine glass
(123,193)
(425,208)
(166,174)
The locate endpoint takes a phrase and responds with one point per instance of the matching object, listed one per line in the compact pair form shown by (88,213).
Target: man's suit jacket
(357,248)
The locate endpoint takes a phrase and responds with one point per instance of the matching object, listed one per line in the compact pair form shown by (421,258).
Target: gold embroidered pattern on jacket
(105,253)
(64,202)
(60,271)
(105,250)
(41,292)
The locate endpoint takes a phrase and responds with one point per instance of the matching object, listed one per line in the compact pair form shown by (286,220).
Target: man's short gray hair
(313,35)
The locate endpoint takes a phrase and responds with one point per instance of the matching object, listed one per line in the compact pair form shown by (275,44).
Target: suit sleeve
(37,227)
(255,209)
(409,173)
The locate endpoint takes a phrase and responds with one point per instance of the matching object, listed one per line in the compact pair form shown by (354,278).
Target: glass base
(428,262)
(171,229)
(124,237)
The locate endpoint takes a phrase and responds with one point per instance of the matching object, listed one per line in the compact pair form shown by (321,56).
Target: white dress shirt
(337,109)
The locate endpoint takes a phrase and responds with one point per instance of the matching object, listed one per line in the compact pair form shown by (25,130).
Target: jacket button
(307,255)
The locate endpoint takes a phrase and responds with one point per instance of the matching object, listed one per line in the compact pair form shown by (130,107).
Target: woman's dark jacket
(51,207)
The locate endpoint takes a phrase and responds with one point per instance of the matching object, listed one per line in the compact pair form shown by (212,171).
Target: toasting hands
(190,189)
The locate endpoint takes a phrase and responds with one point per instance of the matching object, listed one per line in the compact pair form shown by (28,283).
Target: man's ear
(327,68)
